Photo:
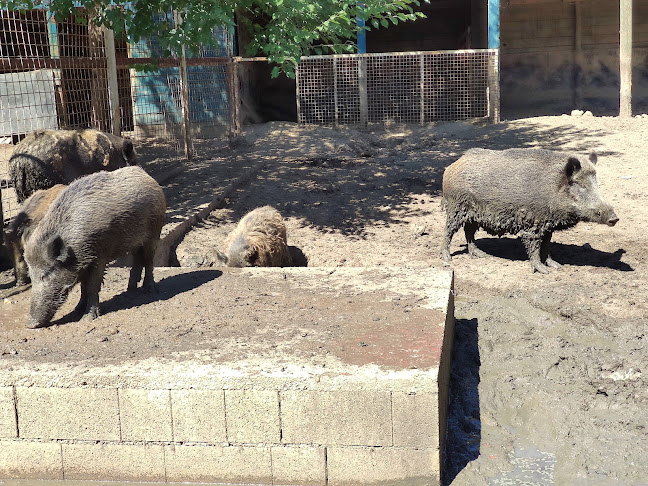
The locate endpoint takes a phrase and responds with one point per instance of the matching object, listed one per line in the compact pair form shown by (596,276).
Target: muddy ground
(549,380)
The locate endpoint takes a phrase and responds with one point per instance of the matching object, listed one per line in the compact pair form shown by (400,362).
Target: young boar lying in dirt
(48,157)
(529,192)
(21,227)
(259,240)
(98,218)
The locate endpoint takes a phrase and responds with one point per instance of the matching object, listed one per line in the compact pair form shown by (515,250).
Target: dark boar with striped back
(45,158)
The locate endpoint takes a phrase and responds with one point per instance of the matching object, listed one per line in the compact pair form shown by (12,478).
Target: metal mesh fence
(55,74)
(416,87)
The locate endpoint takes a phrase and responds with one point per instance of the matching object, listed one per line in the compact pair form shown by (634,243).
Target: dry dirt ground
(550,372)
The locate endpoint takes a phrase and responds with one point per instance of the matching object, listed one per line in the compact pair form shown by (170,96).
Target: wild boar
(48,157)
(529,192)
(20,228)
(98,218)
(259,240)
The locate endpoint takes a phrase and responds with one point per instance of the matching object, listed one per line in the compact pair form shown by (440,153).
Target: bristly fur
(20,228)
(48,157)
(259,240)
(529,192)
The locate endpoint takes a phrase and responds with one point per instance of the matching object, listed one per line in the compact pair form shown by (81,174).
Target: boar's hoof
(539,267)
(34,324)
(552,263)
(91,314)
(446,257)
(475,252)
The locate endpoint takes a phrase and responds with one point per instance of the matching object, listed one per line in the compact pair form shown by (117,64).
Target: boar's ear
(221,257)
(593,158)
(572,166)
(59,251)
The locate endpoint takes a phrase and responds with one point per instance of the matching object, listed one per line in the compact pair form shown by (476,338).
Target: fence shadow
(376,177)
(464,421)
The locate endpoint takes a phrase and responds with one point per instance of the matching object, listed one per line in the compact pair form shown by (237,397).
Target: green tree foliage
(282,30)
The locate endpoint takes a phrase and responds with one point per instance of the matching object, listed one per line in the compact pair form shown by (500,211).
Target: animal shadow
(165,289)
(564,253)
(298,257)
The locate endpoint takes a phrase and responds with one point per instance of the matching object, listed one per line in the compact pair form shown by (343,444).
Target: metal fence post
(113,86)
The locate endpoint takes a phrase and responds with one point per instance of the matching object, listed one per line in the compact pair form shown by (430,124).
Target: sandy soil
(548,380)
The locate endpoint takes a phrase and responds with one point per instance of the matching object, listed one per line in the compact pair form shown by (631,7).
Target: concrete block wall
(231,436)
(355,415)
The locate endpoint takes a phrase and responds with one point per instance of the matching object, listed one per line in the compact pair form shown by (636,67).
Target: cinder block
(113,462)
(68,413)
(303,465)
(30,460)
(7,413)
(416,420)
(354,466)
(336,418)
(145,415)
(199,416)
(213,464)
(252,416)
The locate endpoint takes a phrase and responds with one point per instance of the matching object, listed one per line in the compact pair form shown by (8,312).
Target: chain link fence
(412,87)
(73,74)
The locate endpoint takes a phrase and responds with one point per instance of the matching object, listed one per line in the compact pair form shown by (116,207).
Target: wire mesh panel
(415,87)
(56,75)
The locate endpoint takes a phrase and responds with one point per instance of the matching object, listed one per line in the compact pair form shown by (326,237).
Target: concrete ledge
(348,388)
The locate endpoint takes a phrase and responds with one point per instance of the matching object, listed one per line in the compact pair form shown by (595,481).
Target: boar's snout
(605,215)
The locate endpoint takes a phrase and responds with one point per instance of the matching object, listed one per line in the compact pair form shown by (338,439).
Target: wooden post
(493,24)
(422,86)
(579,59)
(362,88)
(98,95)
(335,91)
(234,98)
(113,86)
(184,94)
(625,57)
(493,63)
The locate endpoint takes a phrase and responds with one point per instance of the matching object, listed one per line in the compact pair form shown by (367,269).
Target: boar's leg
(532,243)
(93,279)
(545,256)
(148,253)
(453,223)
(136,270)
(81,307)
(470,228)
(143,259)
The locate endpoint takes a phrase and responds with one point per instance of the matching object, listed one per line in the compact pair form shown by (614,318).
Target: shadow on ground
(464,422)
(563,253)
(166,289)
(370,177)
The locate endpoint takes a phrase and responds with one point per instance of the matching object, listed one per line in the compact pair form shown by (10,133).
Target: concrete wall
(558,56)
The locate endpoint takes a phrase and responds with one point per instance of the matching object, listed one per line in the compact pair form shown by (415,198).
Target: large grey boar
(530,192)
(98,218)
(259,240)
(21,227)
(48,157)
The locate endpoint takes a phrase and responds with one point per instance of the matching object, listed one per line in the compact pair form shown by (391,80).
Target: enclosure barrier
(71,74)
(407,87)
